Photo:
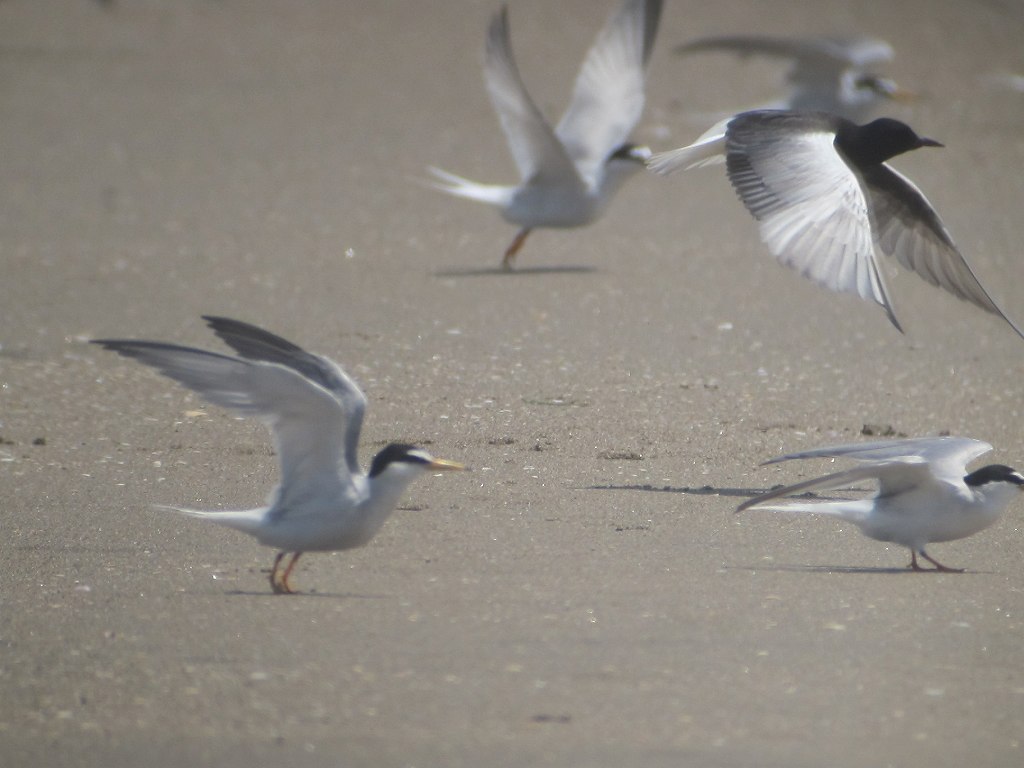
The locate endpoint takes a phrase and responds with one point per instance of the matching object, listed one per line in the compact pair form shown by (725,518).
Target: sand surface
(585,597)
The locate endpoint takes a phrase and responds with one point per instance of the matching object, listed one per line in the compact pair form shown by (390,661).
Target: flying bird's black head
(877,141)
(994,473)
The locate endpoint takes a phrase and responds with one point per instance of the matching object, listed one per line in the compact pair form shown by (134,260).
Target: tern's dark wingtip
(892,317)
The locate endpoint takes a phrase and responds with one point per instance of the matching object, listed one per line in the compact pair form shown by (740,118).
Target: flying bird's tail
(708,149)
(493,194)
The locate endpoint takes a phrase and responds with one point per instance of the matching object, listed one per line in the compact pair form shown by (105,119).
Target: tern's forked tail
(245,520)
(851,510)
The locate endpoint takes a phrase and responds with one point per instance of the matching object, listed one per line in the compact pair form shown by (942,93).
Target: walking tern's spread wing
(608,99)
(538,153)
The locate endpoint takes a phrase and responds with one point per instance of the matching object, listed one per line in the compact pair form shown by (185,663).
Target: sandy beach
(586,596)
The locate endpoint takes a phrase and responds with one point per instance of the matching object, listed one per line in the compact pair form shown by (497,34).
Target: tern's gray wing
(819,63)
(946,451)
(257,344)
(908,229)
(538,153)
(848,52)
(823,72)
(857,51)
(306,420)
(608,98)
(892,476)
(812,211)
(813,57)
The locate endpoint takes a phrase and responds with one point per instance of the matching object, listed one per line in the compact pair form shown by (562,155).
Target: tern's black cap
(396,452)
(994,473)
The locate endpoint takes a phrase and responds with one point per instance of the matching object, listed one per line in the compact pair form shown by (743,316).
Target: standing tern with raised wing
(324,501)
(925,493)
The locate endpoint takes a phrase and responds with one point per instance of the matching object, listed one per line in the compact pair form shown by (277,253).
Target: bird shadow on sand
(817,569)
(551,269)
(706,490)
(845,569)
(304,593)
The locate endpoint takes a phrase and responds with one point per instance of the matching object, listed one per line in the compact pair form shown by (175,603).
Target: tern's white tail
(853,511)
(494,194)
(245,520)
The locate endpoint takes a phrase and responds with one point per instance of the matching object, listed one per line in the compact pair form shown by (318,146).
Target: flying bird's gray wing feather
(908,229)
(812,211)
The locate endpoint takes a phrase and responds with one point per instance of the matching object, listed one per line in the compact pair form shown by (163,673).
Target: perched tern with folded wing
(569,173)
(324,502)
(925,493)
(825,198)
(830,74)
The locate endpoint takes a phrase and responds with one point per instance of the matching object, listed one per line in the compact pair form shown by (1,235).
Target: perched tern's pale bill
(825,197)
(315,411)
(568,173)
(925,493)
(827,73)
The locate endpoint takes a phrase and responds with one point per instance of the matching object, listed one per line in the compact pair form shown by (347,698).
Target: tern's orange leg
(273,573)
(281,586)
(285,586)
(513,249)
